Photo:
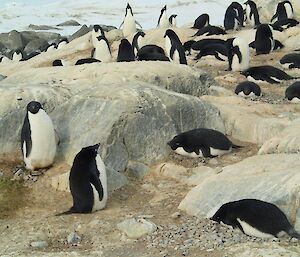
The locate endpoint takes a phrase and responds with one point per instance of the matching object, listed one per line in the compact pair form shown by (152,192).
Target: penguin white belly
(219,152)
(17,57)
(295,100)
(286,65)
(272,42)
(5,59)
(176,57)
(102,52)
(276,79)
(235,63)
(129,26)
(61,45)
(164,21)
(289,11)
(251,79)
(248,10)
(251,231)
(50,48)
(242,94)
(181,151)
(94,37)
(43,148)
(168,46)
(98,205)
(140,42)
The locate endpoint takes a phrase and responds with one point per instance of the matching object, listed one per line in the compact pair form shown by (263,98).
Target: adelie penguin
(138,41)
(201,142)
(102,50)
(248,89)
(18,55)
(232,19)
(172,20)
(62,43)
(151,53)
(209,31)
(290,61)
(284,24)
(238,54)
(252,16)
(201,22)
(163,21)
(292,93)
(264,42)
(129,23)
(197,46)
(266,73)
(255,218)
(97,31)
(174,47)
(219,51)
(38,140)
(125,52)
(284,11)
(88,182)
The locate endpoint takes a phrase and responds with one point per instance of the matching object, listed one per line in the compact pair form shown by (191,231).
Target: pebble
(73,238)
(175,215)
(39,244)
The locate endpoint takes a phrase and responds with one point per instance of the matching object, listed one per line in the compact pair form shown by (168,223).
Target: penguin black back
(201,21)
(126,52)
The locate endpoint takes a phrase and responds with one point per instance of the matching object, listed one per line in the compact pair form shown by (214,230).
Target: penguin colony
(88,182)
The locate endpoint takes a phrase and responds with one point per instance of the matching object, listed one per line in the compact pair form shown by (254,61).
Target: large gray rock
(38,44)
(12,40)
(41,27)
(69,23)
(48,36)
(79,33)
(131,119)
(273,178)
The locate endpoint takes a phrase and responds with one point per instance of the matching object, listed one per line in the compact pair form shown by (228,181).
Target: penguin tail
(293,233)
(71,211)
(236,146)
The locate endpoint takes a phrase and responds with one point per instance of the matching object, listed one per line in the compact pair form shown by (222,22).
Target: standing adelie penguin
(138,41)
(96,32)
(231,19)
(255,218)
(163,21)
(240,12)
(201,142)
(51,47)
(252,16)
(238,54)
(129,23)
(292,93)
(264,41)
(37,138)
(284,11)
(88,182)
(125,53)
(102,51)
(174,47)
(172,20)
(248,89)
(266,73)
(201,22)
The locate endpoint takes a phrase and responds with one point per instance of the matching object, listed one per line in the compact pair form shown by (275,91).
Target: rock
(273,178)
(32,35)
(38,44)
(107,28)
(12,40)
(220,91)
(262,122)
(288,141)
(39,244)
(79,33)
(73,238)
(41,27)
(2,77)
(69,23)
(136,228)
(137,169)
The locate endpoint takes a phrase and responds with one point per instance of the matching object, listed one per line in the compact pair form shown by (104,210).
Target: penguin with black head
(174,47)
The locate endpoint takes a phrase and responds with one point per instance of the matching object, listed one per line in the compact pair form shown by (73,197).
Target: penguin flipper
(137,23)
(218,57)
(238,53)
(92,53)
(206,152)
(26,137)
(94,179)
(121,24)
(172,51)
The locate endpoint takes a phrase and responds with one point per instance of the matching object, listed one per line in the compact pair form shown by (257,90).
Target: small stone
(39,244)
(176,215)
(73,238)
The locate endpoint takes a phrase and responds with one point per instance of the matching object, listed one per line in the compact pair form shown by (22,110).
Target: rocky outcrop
(273,178)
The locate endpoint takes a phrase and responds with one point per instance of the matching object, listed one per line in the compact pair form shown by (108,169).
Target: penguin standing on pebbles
(102,51)
(252,16)
(129,23)
(163,21)
(238,54)
(138,41)
(174,47)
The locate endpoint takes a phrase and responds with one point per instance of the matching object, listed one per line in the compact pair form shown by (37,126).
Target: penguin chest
(94,37)
(17,57)
(129,25)
(164,22)
(289,11)
(43,141)
(100,203)
(61,45)
(252,231)
(295,100)
(242,94)
(102,52)
(168,46)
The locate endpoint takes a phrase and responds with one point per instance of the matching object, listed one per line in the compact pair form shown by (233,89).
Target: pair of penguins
(88,182)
